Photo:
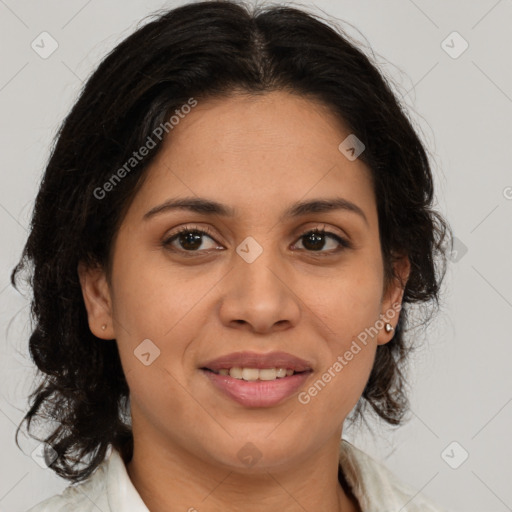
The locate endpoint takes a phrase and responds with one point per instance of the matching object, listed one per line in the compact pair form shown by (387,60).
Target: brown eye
(315,240)
(189,240)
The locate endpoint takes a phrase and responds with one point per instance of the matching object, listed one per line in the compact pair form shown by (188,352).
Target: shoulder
(87,496)
(377,488)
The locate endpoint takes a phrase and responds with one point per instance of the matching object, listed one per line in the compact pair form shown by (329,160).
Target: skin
(259,155)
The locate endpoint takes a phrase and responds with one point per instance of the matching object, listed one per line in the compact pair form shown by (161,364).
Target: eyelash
(344,244)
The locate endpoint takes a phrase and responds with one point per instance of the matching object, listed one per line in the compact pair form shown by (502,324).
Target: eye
(189,238)
(314,241)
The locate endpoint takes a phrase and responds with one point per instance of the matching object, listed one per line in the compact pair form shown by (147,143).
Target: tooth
(250,373)
(267,374)
(236,372)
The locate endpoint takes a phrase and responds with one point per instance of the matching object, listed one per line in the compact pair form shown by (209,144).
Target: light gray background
(460,379)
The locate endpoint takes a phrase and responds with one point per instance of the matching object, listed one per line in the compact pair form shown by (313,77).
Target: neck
(170,478)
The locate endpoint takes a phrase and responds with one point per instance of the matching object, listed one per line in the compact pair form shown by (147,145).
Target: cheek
(151,296)
(159,312)
(348,303)
(348,309)
(347,361)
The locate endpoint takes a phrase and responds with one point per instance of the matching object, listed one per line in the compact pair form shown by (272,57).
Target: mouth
(255,379)
(255,374)
(257,388)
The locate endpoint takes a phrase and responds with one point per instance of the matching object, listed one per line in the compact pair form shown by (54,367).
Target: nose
(259,296)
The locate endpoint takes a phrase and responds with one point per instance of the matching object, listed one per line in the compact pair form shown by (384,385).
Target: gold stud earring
(103,327)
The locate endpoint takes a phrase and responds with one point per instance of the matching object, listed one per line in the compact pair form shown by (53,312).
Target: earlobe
(392,300)
(97,300)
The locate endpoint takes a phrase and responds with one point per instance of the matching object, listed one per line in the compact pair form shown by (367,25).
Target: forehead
(275,125)
(248,150)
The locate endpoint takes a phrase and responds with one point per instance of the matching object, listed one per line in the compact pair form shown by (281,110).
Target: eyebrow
(205,206)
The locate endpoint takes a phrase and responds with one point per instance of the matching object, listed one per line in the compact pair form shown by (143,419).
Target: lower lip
(258,393)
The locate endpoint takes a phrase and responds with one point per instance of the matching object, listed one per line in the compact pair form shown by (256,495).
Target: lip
(249,359)
(258,393)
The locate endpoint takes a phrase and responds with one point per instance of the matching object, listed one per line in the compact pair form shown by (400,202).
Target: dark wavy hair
(203,50)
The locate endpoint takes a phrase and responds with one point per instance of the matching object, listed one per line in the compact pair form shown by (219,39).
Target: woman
(231,229)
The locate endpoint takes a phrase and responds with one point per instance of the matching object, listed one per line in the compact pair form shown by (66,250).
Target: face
(257,280)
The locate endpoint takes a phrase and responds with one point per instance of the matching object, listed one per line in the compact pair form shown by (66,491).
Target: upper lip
(256,360)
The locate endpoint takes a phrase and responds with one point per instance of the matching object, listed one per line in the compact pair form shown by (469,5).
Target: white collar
(121,492)
(373,484)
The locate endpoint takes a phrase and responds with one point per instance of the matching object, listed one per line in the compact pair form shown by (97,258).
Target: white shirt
(109,488)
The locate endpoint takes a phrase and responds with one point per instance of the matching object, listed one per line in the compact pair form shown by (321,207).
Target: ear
(97,299)
(392,298)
